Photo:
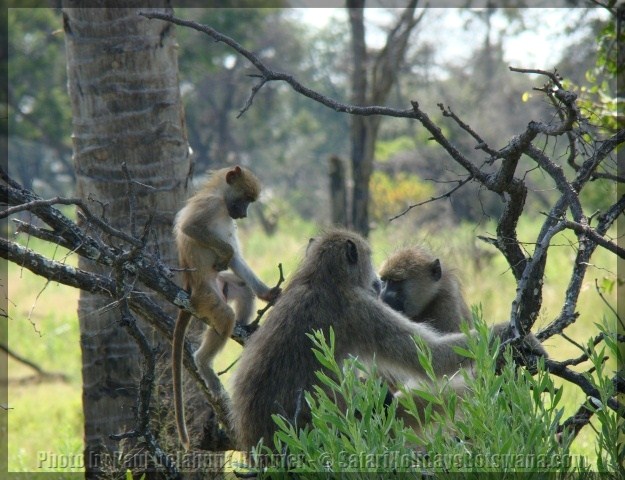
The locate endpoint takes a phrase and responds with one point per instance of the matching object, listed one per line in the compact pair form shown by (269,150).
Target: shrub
(506,423)
(391,195)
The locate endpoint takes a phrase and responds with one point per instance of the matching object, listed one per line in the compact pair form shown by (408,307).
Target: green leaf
(427,396)
(464,352)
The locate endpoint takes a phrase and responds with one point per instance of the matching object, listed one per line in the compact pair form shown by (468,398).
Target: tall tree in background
(373,76)
(126,107)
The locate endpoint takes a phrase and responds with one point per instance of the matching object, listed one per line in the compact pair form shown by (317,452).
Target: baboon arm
(392,343)
(239,266)
(200,228)
(202,216)
(223,251)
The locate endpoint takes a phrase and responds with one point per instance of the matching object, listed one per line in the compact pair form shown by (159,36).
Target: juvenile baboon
(415,283)
(334,286)
(207,244)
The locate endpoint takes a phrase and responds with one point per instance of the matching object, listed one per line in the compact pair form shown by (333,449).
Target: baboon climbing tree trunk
(132,162)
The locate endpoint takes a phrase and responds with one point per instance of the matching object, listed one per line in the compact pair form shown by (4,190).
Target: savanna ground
(45,417)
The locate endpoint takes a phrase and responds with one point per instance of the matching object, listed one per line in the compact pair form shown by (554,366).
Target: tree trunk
(364,130)
(358,130)
(126,106)
(338,192)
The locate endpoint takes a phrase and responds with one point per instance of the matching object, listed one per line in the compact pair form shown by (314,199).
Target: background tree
(373,76)
(132,162)
(38,108)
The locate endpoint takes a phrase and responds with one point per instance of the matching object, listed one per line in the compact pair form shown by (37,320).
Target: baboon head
(411,279)
(340,258)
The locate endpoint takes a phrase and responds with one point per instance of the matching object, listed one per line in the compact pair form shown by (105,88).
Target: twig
(268,75)
(254,324)
(481,143)
(587,247)
(594,236)
(448,194)
(29,363)
(553,76)
(132,200)
(607,304)
(32,205)
(227,369)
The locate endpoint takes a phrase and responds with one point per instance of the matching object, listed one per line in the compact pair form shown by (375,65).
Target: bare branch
(594,236)
(556,172)
(44,374)
(579,379)
(553,76)
(461,183)
(268,75)
(587,247)
(481,143)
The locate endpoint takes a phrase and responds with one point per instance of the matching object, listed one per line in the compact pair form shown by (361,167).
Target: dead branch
(41,373)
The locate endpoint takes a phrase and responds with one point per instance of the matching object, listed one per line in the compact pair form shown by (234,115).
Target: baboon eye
(391,284)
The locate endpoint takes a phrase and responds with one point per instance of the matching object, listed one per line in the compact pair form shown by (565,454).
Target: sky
(539,47)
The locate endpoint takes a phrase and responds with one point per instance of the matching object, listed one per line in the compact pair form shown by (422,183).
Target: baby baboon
(415,283)
(334,286)
(207,244)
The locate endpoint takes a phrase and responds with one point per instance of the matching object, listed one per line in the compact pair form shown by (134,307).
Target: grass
(45,417)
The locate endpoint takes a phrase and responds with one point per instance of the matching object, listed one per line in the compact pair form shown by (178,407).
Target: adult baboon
(332,287)
(415,283)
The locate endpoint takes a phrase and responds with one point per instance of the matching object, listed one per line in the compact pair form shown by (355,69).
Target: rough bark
(131,157)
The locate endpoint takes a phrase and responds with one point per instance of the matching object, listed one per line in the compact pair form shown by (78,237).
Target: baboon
(207,243)
(415,283)
(334,286)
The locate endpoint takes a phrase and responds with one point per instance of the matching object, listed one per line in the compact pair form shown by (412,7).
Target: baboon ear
(233,174)
(436,270)
(311,240)
(351,251)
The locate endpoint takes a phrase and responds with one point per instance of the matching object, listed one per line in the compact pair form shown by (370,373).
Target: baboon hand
(271,295)
(222,264)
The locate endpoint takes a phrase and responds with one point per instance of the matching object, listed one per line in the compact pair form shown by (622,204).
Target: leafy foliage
(390,195)
(599,100)
(504,424)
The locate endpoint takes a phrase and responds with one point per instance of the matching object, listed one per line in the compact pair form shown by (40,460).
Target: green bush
(391,195)
(504,425)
